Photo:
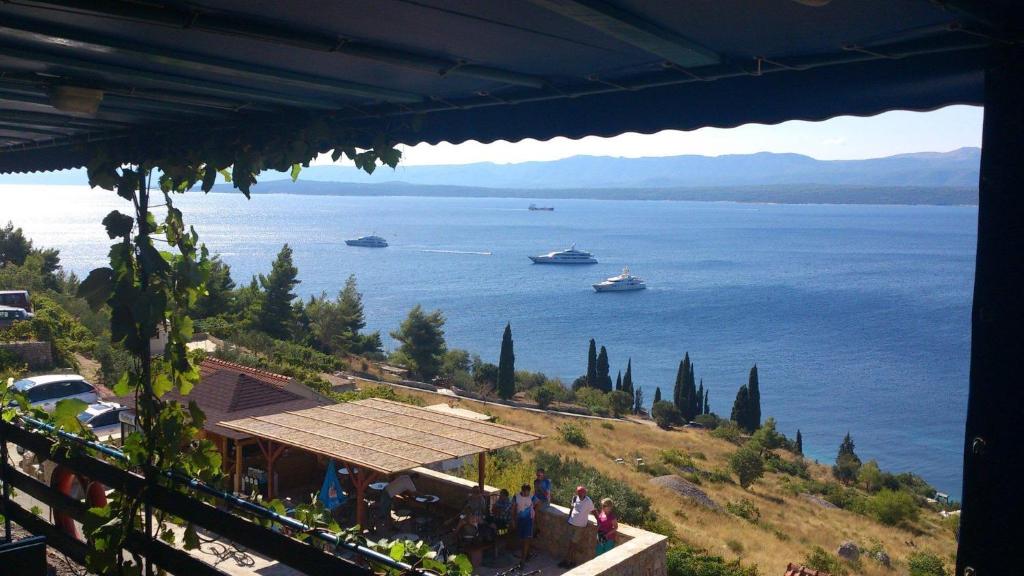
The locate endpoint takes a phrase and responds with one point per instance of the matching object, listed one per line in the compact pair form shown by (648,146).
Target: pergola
(375,438)
(76,75)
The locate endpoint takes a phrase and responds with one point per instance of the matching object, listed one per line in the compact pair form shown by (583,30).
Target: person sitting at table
(501,512)
(398,487)
(473,511)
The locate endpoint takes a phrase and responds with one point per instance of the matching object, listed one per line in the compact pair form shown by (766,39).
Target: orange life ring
(64,479)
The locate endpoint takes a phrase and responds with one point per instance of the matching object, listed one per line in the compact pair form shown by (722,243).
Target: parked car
(9,315)
(16,299)
(45,391)
(103,419)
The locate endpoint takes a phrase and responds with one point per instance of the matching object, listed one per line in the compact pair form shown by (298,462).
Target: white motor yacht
(621,283)
(368,242)
(570,256)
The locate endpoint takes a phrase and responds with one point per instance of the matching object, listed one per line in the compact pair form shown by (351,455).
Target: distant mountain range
(920,178)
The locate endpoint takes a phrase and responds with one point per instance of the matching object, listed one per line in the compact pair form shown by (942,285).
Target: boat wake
(457,252)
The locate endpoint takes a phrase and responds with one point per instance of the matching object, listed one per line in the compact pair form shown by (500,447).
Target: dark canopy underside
(432,71)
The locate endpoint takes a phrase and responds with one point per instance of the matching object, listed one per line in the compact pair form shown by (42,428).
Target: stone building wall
(37,355)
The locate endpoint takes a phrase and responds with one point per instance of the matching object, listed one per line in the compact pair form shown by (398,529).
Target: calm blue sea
(857,316)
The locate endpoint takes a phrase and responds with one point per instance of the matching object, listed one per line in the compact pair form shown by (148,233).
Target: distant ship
(542,208)
(621,283)
(570,256)
(368,242)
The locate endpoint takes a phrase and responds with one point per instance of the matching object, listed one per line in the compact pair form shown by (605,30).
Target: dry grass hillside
(790,525)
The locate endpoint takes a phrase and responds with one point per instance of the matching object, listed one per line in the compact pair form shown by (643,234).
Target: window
(108,418)
(79,387)
(40,393)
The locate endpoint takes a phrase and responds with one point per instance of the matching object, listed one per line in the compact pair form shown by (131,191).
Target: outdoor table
(378,486)
(428,499)
(406,536)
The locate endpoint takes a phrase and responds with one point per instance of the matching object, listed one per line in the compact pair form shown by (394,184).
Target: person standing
(541,490)
(524,515)
(579,518)
(607,526)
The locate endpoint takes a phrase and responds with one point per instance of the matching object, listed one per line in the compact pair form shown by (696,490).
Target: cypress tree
(689,409)
(679,395)
(618,381)
(707,405)
(741,409)
(507,365)
(627,380)
(604,381)
(657,395)
(799,443)
(700,398)
(754,388)
(638,401)
(592,365)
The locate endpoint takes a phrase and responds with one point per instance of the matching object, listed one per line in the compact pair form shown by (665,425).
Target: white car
(102,418)
(45,391)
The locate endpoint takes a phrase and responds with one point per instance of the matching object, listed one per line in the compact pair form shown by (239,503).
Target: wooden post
(481,465)
(993,466)
(238,465)
(361,478)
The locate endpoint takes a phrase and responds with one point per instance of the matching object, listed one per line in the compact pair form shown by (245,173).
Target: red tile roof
(228,391)
(797,570)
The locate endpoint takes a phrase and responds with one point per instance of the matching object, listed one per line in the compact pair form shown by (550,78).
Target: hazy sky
(845,137)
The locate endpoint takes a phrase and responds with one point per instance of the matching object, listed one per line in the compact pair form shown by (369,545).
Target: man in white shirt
(579,519)
(524,514)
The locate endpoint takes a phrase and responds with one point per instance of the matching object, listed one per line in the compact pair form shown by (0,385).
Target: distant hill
(956,168)
(795,194)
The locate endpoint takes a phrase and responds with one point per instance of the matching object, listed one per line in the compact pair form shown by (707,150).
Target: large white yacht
(570,256)
(368,242)
(621,283)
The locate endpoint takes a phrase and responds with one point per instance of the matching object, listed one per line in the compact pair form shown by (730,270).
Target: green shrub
(744,509)
(566,473)
(607,425)
(548,393)
(926,564)
(819,559)
(573,434)
(385,392)
(776,463)
(709,421)
(685,560)
(665,414)
(594,400)
(892,508)
(620,402)
(748,466)
(728,430)
(719,476)
(674,457)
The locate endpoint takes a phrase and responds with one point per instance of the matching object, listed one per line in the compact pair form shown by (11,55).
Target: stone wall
(38,355)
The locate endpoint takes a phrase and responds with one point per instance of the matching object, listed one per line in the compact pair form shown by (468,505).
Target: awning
(381,435)
(432,71)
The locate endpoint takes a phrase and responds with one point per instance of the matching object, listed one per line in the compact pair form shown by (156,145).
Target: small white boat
(570,256)
(368,242)
(621,283)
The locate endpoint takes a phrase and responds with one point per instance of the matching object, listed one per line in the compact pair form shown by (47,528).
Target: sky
(844,137)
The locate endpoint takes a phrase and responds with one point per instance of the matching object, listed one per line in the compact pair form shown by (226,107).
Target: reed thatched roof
(380,434)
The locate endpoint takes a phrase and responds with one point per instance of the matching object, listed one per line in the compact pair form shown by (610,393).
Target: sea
(858,317)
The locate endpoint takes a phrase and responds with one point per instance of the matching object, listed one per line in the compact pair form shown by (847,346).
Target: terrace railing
(306,556)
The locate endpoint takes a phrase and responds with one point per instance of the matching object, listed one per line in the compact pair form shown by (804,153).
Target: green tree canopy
(665,414)
(219,294)
(754,389)
(422,341)
(275,310)
(592,364)
(847,462)
(627,380)
(657,395)
(507,365)
(799,442)
(748,465)
(741,409)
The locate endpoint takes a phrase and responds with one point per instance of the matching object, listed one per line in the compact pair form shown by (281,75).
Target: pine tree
(627,380)
(847,447)
(754,388)
(657,395)
(741,409)
(707,405)
(422,342)
(700,398)
(592,365)
(275,310)
(507,365)
(604,381)
(618,381)
(799,443)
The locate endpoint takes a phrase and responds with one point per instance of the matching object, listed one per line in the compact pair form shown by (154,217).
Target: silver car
(45,391)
